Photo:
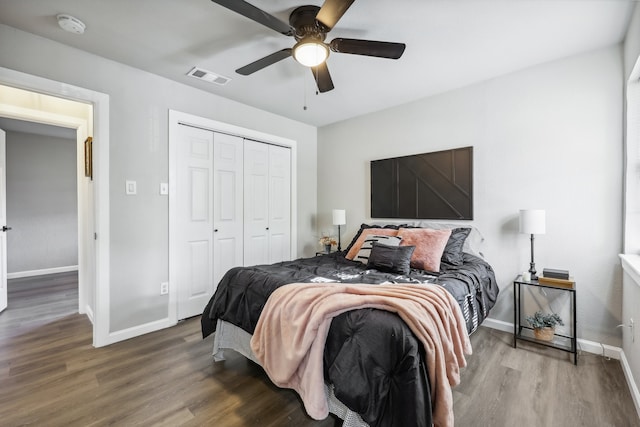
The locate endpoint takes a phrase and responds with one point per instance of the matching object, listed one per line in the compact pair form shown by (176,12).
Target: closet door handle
(267,228)
(5,228)
(215,230)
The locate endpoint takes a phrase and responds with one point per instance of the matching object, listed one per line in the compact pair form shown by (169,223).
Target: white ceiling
(450,44)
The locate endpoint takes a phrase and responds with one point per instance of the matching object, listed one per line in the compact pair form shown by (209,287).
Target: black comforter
(371,357)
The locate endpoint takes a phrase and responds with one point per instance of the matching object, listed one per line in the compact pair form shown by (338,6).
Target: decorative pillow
(453,250)
(390,259)
(429,245)
(472,245)
(369,240)
(368,226)
(363,234)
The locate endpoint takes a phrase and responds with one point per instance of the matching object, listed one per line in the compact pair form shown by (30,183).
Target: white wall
(632,135)
(631,281)
(139,104)
(632,42)
(548,137)
(42,206)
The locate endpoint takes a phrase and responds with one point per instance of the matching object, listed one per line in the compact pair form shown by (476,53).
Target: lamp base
(532,265)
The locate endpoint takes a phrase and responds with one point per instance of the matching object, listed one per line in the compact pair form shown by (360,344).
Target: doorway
(42,211)
(77,118)
(93,201)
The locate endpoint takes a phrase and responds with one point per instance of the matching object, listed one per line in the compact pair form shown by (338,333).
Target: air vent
(208,76)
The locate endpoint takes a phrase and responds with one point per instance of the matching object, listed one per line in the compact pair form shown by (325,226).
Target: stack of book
(560,278)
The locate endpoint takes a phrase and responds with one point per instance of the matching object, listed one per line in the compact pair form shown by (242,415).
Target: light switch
(164,189)
(131,189)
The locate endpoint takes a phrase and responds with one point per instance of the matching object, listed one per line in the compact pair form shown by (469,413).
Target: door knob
(5,228)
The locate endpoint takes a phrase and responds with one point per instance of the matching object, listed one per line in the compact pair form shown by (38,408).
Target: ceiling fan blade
(368,48)
(323,78)
(264,62)
(331,12)
(260,16)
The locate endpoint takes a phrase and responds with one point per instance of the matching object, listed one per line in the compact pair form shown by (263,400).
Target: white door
(3,222)
(194,223)
(267,203)
(256,203)
(279,204)
(227,204)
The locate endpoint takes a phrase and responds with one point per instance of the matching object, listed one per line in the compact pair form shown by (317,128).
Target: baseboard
(633,388)
(584,345)
(89,313)
(498,324)
(136,331)
(42,272)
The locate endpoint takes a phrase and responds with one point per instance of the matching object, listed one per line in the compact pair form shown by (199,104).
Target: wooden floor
(50,375)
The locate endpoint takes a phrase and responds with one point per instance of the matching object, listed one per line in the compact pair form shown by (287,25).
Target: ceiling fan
(309,26)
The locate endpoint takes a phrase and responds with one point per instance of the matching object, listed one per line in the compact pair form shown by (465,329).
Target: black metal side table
(566,343)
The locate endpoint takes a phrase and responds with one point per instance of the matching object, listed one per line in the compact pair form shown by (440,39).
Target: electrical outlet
(164,288)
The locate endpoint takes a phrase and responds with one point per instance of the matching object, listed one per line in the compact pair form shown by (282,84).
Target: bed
(374,365)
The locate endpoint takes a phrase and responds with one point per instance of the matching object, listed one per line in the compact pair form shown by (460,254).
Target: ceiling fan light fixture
(310,52)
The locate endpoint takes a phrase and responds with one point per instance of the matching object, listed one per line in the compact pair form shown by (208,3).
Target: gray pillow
(391,259)
(453,251)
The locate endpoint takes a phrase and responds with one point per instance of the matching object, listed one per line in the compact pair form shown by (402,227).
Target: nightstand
(322,253)
(522,332)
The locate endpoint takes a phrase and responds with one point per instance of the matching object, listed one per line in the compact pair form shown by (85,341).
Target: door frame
(4,298)
(81,132)
(100,103)
(177,118)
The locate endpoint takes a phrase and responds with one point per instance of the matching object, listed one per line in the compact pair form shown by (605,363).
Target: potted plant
(327,242)
(544,325)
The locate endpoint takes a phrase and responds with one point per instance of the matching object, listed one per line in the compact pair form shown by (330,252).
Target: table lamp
(532,221)
(339,218)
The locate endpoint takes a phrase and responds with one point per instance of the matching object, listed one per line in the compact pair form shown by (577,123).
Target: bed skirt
(230,336)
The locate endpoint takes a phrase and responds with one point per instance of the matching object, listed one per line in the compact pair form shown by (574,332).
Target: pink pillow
(363,236)
(429,245)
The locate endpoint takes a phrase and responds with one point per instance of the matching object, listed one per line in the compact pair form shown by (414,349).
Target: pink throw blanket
(292,330)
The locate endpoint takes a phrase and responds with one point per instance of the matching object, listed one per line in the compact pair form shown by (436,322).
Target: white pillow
(365,249)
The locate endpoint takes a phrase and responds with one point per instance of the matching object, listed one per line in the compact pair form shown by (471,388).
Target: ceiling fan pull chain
(315,70)
(304,93)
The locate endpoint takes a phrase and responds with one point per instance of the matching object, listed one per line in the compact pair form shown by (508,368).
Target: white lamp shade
(532,221)
(339,217)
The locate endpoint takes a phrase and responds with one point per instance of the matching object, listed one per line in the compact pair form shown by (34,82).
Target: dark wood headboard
(436,185)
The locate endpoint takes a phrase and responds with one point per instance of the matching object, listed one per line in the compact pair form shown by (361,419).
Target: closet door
(279,204)
(227,204)
(267,203)
(209,184)
(194,223)
(256,203)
